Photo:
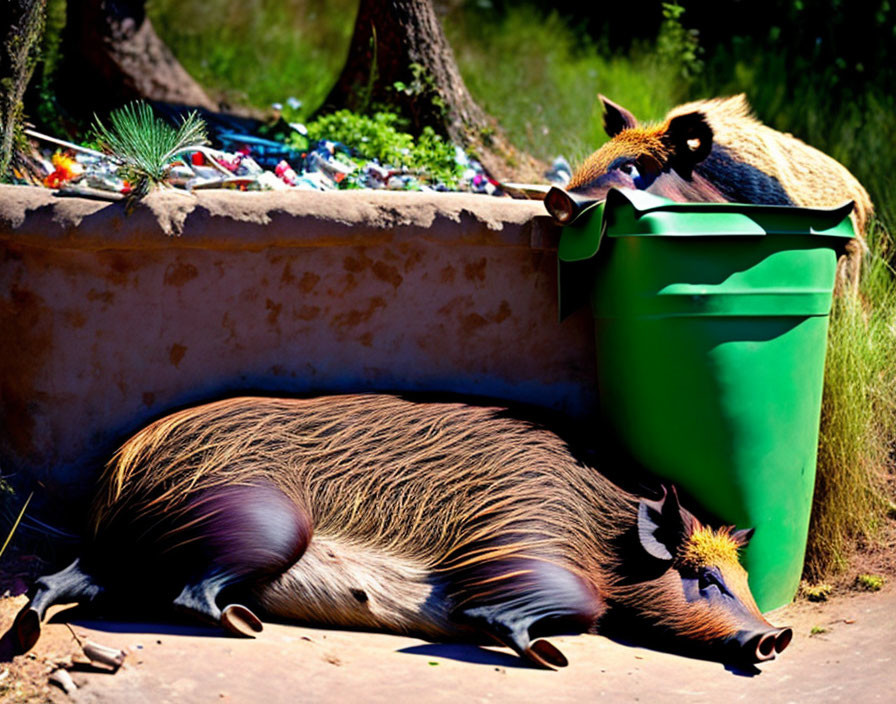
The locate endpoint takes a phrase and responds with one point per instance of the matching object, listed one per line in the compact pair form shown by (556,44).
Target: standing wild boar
(712,151)
(444,520)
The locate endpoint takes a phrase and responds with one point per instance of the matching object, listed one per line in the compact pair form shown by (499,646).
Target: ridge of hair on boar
(706,546)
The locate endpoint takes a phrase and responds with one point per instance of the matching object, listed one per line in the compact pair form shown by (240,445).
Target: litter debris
(65,169)
(63,680)
(559,173)
(103,654)
(279,156)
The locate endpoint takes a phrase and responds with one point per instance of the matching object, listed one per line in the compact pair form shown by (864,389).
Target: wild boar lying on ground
(713,151)
(448,521)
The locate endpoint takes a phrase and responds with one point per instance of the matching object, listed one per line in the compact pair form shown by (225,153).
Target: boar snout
(762,645)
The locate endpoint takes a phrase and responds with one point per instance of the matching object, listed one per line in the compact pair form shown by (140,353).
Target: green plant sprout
(870,582)
(816,592)
(143,144)
(421,85)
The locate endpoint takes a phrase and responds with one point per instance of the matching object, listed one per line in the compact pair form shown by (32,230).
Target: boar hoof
(26,629)
(543,654)
(241,621)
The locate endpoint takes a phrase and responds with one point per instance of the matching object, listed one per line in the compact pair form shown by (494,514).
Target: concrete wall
(110,320)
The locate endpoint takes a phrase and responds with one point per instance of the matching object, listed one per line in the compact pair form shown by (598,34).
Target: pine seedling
(143,144)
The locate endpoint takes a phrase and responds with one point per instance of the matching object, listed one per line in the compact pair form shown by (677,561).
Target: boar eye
(630,169)
(709,577)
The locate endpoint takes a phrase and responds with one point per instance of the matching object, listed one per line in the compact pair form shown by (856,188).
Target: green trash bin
(711,325)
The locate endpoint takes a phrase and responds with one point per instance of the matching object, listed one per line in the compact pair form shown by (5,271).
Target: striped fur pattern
(436,519)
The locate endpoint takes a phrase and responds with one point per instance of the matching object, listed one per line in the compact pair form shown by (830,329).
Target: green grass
(257,52)
(15,524)
(540,80)
(858,422)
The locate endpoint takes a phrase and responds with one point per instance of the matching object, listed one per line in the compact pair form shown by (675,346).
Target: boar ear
(616,117)
(742,537)
(689,137)
(663,525)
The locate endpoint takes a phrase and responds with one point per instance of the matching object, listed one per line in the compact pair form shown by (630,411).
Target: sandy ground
(842,650)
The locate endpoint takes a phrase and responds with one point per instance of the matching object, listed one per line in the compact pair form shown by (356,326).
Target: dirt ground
(843,650)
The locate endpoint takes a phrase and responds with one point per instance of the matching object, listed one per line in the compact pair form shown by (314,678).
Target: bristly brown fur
(810,177)
(632,143)
(431,483)
(406,517)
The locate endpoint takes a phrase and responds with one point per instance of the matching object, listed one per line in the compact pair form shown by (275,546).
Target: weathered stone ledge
(109,320)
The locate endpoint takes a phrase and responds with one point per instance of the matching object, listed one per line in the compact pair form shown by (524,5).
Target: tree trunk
(113,55)
(399,59)
(20,33)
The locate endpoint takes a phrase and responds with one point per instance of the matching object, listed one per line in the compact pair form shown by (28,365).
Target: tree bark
(113,55)
(20,33)
(399,59)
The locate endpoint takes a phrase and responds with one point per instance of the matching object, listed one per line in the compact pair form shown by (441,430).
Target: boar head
(657,158)
(694,593)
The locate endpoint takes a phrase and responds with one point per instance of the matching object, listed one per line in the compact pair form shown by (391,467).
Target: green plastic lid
(632,213)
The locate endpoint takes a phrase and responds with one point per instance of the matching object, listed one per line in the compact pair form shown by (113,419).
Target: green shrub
(379,137)
(677,44)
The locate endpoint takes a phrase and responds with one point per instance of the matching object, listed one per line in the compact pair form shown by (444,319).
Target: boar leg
(507,599)
(69,585)
(200,599)
(241,534)
(511,629)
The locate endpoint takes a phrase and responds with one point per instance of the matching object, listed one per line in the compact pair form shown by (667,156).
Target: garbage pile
(250,162)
